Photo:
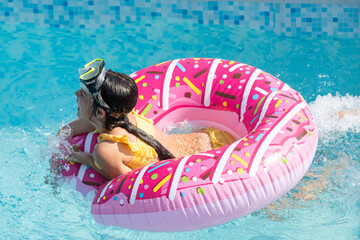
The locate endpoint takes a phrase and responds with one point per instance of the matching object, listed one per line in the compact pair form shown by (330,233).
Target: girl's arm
(109,156)
(78,126)
(87,159)
(106,160)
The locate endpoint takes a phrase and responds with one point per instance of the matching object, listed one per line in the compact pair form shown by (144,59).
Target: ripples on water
(37,96)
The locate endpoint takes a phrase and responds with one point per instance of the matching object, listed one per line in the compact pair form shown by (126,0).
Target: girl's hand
(80,157)
(87,159)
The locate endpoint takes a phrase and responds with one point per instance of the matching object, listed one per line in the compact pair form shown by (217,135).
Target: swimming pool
(39,76)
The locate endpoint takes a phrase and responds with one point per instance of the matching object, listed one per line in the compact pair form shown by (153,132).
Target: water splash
(181,127)
(58,148)
(326,111)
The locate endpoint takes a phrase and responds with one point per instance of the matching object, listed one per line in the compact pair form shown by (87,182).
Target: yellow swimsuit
(143,153)
(218,137)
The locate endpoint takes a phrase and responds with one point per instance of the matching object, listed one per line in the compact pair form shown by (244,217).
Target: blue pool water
(38,80)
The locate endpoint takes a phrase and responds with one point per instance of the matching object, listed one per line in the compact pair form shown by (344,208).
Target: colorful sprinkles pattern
(281,137)
(267,104)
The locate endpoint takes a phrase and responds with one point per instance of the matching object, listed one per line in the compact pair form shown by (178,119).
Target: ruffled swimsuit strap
(143,153)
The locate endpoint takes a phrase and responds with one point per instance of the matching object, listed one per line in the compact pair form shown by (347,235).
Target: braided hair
(120,93)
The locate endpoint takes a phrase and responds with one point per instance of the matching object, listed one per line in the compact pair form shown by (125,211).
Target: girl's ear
(100,113)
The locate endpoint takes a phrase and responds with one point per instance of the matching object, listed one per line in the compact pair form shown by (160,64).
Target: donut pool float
(276,142)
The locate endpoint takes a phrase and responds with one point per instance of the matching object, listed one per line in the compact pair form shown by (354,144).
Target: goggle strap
(100,102)
(100,79)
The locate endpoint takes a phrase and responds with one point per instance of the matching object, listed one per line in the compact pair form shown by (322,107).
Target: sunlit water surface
(38,80)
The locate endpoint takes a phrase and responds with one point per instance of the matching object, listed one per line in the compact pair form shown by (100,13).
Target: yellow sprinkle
(97,165)
(104,197)
(240,160)
(154,97)
(139,79)
(240,170)
(196,58)
(224,104)
(231,62)
(129,186)
(141,97)
(247,154)
(141,182)
(72,163)
(302,116)
(177,78)
(244,139)
(162,182)
(278,103)
(192,86)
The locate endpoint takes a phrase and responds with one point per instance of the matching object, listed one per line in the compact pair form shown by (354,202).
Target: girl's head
(113,92)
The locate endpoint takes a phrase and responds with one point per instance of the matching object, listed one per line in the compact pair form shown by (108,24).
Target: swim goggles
(92,77)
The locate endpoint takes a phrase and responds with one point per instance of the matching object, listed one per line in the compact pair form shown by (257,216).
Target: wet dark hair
(120,93)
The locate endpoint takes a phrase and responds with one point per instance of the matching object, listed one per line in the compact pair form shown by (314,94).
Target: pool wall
(317,18)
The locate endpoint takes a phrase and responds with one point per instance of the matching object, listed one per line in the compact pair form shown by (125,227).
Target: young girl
(127,140)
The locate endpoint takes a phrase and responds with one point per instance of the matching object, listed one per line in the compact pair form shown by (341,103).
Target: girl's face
(85,104)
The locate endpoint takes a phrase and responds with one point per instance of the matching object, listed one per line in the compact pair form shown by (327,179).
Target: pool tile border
(306,19)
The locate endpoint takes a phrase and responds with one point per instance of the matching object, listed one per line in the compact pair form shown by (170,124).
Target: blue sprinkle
(276,112)
(255,96)
(141,195)
(181,67)
(274,89)
(251,137)
(115,198)
(157,76)
(292,152)
(254,119)
(259,137)
(187,169)
(157,166)
(182,194)
(247,72)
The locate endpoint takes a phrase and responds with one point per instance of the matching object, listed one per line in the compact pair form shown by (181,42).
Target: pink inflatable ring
(277,138)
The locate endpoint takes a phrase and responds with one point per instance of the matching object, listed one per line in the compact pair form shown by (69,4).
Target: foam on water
(326,111)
